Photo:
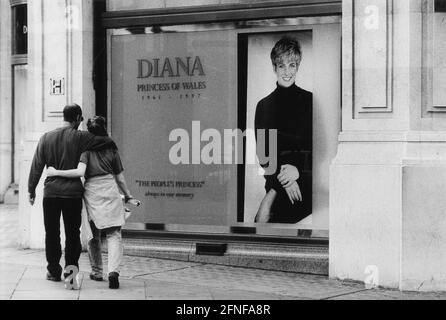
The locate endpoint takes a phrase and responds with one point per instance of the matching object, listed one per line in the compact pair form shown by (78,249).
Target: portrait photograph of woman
(279,97)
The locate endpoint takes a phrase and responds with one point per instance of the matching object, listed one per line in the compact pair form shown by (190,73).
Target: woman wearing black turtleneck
(288,109)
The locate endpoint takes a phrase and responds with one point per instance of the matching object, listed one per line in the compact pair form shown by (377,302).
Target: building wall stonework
(5,99)
(380,214)
(60,48)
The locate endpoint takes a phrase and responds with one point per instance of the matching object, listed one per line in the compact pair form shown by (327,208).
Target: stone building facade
(378,80)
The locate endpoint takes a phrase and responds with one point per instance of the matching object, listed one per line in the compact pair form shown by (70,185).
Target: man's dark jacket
(61,149)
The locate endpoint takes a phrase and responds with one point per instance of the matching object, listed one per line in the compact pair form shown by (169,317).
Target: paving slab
(276,283)
(14,252)
(136,266)
(34,279)
(7,289)
(36,258)
(9,225)
(10,273)
(45,295)
(380,294)
(219,294)
(98,290)
(10,276)
(33,285)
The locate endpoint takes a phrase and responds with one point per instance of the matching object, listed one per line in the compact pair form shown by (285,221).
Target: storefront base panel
(424,228)
(5,167)
(365,217)
(387,222)
(288,258)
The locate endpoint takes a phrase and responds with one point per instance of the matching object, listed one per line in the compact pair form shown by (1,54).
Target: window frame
(440,6)
(220,13)
(17,58)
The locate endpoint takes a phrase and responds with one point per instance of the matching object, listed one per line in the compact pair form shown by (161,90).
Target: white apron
(103,202)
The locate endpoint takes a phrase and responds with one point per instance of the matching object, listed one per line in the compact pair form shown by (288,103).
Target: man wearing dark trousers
(61,148)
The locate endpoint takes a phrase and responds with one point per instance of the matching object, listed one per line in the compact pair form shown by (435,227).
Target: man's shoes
(96,277)
(113,280)
(50,277)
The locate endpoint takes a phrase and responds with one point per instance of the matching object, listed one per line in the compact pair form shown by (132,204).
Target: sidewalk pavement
(22,277)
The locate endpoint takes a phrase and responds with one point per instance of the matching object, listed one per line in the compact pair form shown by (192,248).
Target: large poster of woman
(279,97)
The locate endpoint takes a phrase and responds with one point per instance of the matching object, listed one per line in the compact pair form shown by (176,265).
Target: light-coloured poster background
(260,83)
(320,73)
(142,122)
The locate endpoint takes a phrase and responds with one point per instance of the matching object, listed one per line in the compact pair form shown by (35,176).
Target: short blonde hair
(286,47)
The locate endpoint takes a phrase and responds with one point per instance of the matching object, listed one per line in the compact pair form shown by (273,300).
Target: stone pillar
(60,61)
(388,179)
(5,98)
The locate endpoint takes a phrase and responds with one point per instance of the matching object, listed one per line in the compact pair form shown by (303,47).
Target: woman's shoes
(113,280)
(96,277)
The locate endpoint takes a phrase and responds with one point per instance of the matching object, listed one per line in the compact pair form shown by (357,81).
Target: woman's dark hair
(97,126)
(287,46)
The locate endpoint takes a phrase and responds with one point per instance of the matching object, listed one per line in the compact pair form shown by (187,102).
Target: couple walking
(70,154)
